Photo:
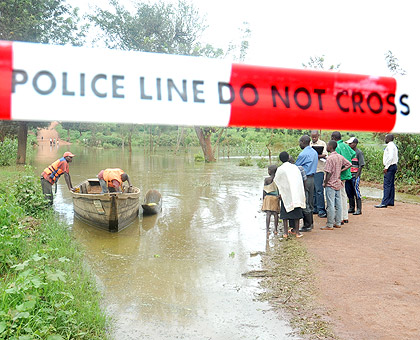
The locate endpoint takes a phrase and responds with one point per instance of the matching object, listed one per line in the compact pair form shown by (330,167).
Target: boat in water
(152,202)
(110,211)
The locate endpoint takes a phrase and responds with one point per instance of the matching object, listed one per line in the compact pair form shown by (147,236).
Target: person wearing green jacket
(348,153)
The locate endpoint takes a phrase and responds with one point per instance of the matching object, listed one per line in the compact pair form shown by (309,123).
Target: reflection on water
(178,274)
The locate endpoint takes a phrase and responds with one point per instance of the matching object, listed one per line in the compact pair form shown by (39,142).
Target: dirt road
(44,135)
(369,272)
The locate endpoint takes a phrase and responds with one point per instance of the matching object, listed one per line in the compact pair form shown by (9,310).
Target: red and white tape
(45,82)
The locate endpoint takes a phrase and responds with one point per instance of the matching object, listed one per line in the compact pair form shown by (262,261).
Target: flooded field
(178,275)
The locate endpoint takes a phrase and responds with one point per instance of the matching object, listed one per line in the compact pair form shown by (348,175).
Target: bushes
(47,293)
(28,195)
(198,157)
(408,158)
(373,169)
(408,163)
(8,151)
(247,161)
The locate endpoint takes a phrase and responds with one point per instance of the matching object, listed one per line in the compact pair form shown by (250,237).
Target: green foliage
(393,64)
(153,27)
(8,151)
(408,163)
(373,169)
(41,300)
(11,237)
(47,293)
(408,158)
(247,161)
(262,163)
(198,158)
(317,63)
(294,152)
(44,21)
(28,195)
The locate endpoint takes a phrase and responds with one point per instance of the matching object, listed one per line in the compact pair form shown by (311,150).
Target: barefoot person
(288,179)
(334,166)
(52,173)
(271,205)
(111,180)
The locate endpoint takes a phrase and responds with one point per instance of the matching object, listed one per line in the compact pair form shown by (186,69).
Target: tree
(164,28)
(7,129)
(393,64)
(204,134)
(159,27)
(317,63)
(43,21)
(239,52)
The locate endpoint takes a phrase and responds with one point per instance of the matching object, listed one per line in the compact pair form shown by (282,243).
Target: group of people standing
(321,181)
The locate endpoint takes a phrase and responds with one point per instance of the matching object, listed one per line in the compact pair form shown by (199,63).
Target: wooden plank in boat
(99,207)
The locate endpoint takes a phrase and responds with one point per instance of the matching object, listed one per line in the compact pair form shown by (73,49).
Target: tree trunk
(22,141)
(150,139)
(205,142)
(216,145)
(269,144)
(178,142)
(68,135)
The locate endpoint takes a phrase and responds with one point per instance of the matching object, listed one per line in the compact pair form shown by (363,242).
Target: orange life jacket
(54,171)
(112,174)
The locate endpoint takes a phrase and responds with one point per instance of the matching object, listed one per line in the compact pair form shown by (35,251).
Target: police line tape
(74,84)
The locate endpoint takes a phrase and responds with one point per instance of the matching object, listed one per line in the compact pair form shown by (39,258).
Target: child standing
(271,204)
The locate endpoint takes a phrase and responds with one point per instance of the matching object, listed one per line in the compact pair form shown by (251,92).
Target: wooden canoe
(111,211)
(152,202)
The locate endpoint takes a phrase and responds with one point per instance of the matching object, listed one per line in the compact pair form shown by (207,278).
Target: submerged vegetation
(46,290)
(290,285)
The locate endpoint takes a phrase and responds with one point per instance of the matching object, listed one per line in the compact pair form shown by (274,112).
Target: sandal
(299,235)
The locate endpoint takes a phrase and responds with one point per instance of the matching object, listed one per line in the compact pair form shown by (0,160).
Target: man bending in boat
(111,180)
(52,173)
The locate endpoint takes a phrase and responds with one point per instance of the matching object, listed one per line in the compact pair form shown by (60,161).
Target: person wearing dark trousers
(319,199)
(353,184)
(308,159)
(390,160)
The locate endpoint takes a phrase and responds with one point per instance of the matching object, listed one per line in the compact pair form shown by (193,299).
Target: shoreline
(357,282)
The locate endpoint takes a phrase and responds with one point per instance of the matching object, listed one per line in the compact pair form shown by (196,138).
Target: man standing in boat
(111,180)
(52,173)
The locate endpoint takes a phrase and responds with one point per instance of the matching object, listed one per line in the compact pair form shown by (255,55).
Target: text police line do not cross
(66,83)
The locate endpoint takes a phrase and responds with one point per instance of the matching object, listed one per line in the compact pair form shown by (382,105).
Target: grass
(46,290)
(289,286)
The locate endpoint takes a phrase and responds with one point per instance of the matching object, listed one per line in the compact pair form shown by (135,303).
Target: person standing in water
(271,205)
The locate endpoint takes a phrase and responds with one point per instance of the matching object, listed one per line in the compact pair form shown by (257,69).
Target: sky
(355,34)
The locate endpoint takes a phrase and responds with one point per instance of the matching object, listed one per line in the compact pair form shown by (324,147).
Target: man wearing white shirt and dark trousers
(390,161)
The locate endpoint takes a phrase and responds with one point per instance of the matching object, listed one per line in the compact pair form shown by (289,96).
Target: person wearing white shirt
(390,160)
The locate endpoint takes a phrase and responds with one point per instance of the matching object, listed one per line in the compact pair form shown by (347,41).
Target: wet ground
(178,275)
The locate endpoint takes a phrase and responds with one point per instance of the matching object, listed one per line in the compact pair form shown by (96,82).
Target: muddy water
(178,275)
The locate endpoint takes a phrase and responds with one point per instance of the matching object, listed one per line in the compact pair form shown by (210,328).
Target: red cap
(68,153)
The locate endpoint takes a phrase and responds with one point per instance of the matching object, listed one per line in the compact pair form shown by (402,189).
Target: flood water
(177,275)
